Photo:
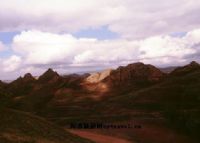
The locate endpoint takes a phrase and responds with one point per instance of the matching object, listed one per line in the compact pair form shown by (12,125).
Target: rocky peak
(28,77)
(19,79)
(194,63)
(134,74)
(193,66)
(48,75)
(50,71)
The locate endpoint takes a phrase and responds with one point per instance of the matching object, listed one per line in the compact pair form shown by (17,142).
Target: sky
(88,35)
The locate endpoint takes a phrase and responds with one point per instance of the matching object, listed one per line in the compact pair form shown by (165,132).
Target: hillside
(21,127)
(176,100)
(136,75)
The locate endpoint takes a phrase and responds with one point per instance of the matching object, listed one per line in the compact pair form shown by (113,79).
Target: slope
(17,126)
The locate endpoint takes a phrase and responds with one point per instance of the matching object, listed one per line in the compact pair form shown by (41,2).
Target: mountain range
(162,102)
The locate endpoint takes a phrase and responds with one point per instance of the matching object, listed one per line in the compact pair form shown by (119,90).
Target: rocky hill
(134,75)
(98,76)
(186,69)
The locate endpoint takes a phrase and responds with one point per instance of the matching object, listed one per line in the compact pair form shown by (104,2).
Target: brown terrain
(98,138)
(165,104)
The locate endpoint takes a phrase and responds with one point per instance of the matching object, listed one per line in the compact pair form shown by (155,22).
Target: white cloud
(193,37)
(130,18)
(11,64)
(46,48)
(42,48)
(162,46)
(147,18)
(35,51)
(57,15)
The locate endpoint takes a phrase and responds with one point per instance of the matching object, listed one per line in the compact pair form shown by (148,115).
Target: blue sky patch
(102,33)
(178,34)
(7,37)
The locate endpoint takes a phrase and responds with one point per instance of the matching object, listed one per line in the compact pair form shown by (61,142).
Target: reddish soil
(151,132)
(98,138)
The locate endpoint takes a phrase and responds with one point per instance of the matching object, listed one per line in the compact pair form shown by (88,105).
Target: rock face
(73,81)
(48,76)
(22,85)
(134,74)
(186,69)
(99,76)
(128,77)
(28,77)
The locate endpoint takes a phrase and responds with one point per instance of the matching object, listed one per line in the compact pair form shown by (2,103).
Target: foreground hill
(21,127)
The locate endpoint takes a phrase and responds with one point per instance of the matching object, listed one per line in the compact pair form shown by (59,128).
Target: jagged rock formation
(22,85)
(134,74)
(185,69)
(28,78)
(51,89)
(98,76)
(49,76)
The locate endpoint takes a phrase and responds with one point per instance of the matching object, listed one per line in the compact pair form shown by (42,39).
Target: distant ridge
(134,74)
(168,69)
(186,69)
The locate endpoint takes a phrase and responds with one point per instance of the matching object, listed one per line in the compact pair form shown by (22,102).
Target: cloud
(40,48)
(11,64)
(57,15)
(148,18)
(35,51)
(43,48)
(147,32)
(131,19)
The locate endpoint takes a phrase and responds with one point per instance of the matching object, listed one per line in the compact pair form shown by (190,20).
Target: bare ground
(97,137)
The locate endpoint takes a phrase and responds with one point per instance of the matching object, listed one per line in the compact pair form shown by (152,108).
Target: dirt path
(98,138)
